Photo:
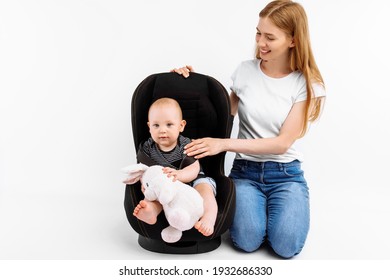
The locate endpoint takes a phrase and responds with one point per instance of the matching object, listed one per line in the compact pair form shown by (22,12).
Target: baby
(166,147)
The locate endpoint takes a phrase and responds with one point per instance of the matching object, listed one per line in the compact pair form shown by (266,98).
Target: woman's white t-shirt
(264,105)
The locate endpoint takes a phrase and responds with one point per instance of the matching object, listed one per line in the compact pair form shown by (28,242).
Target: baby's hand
(171,172)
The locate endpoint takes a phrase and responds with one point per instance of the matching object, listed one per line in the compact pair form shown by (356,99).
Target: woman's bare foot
(147,211)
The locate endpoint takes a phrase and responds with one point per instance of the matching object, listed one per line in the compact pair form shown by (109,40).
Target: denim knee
(286,246)
(248,229)
(248,240)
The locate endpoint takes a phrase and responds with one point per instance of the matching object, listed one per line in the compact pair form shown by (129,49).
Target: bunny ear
(133,178)
(135,168)
(134,172)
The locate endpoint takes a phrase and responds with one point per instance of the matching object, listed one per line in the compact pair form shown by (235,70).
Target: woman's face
(272,43)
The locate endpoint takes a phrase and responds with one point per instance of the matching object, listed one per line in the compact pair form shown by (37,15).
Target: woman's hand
(203,147)
(185,71)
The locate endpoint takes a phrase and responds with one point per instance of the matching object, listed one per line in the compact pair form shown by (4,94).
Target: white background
(67,73)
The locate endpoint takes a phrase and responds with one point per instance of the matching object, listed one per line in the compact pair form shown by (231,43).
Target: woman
(275,95)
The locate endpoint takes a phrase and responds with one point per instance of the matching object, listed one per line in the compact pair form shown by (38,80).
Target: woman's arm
(289,132)
(234,103)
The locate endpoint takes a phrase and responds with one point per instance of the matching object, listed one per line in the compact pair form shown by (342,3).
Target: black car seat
(206,108)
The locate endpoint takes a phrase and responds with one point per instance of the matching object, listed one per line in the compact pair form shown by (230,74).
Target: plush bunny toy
(182,204)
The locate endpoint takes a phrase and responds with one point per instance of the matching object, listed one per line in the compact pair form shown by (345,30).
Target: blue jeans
(272,204)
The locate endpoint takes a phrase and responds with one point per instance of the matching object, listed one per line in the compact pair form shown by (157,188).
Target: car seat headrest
(193,95)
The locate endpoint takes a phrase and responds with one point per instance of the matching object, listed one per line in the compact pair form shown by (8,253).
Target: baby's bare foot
(146,212)
(205,226)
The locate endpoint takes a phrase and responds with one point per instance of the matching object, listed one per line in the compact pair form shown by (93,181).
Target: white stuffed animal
(182,204)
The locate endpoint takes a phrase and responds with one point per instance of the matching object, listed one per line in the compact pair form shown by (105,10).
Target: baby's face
(165,125)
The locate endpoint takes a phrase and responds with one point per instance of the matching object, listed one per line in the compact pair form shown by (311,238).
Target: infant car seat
(206,108)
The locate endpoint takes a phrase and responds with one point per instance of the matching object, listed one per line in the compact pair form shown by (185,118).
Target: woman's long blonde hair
(291,18)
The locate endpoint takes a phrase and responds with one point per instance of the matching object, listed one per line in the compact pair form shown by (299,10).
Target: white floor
(347,222)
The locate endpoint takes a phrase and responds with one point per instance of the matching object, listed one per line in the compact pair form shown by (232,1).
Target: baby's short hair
(166,101)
